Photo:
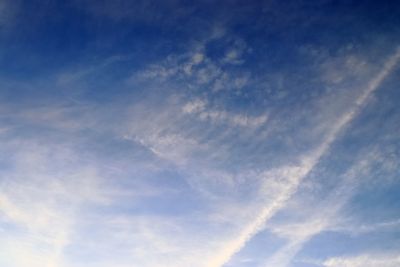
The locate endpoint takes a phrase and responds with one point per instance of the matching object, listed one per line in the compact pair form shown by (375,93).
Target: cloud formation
(205,135)
(293,175)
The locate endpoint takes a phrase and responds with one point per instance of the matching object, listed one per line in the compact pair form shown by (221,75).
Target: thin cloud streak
(363,261)
(323,217)
(297,173)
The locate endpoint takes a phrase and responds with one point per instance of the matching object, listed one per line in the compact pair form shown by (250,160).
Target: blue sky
(199,133)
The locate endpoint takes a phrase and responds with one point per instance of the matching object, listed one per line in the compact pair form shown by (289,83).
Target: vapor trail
(295,174)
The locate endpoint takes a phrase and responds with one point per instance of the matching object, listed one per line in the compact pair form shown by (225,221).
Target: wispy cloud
(293,175)
(205,134)
(200,109)
(42,207)
(323,217)
(368,260)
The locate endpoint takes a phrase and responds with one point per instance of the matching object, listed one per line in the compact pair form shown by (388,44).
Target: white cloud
(235,54)
(199,108)
(233,119)
(195,106)
(323,216)
(357,229)
(57,195)
(367,260)
(173,147)
(195,69)
(280,183)
(195,60)
(293,175)
(41,195)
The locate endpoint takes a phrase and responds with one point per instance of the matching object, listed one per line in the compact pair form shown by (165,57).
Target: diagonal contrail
(295,174)
(319,221)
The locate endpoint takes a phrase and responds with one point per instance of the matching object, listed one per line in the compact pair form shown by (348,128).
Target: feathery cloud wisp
(293,175)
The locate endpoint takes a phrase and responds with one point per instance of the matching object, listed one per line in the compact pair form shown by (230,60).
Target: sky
(199,133)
